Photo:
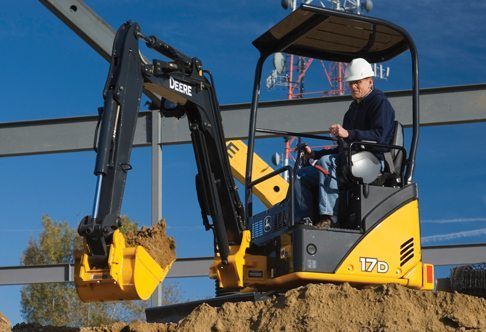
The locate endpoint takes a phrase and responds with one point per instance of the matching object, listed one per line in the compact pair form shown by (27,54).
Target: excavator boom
(108,270)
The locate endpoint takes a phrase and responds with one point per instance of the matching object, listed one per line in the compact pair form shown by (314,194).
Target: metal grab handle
(378,145)
(270,175)
(291,133)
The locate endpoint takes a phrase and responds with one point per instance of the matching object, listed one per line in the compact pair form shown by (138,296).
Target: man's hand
(338,131)
(308,153)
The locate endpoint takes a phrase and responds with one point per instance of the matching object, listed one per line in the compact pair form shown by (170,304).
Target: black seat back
(397,156)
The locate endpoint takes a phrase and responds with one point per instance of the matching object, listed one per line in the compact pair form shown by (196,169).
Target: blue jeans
(316,193)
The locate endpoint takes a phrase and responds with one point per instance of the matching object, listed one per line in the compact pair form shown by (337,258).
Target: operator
(370,117)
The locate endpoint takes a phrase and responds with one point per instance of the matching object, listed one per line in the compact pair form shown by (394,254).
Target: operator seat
(395,158)
(357,196)
(365,167)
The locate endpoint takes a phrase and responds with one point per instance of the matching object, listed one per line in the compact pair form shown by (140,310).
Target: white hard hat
(358,69)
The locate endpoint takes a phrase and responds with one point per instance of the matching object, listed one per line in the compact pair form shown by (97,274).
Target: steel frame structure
(439,106)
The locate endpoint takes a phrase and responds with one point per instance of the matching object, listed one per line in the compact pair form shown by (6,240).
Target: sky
(49,72)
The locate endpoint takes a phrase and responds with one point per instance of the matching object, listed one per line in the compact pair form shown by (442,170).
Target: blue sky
(49,72)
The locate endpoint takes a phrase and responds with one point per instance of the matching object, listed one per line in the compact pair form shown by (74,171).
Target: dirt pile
(325,307)
(155,240)
(4,323)
(344,308)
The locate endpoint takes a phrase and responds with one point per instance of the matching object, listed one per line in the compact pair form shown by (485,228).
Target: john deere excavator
(377,237)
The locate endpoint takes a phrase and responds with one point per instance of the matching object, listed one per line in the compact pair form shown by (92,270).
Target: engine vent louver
(406,252)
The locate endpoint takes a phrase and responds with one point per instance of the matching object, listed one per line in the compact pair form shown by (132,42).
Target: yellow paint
(131,274)
(382,245)
(270,192)
(379,258)
(231,275)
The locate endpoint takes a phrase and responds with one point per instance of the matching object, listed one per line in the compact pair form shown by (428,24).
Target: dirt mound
(155,240)
(325,307)
(344,308)
(4,323)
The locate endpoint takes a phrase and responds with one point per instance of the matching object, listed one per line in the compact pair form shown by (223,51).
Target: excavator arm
(118,119)
(108,270)
(186,90)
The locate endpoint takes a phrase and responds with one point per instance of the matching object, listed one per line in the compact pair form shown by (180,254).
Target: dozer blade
(131,274)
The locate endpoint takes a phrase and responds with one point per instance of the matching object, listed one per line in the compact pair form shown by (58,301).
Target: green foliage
(127,225)
(58,303)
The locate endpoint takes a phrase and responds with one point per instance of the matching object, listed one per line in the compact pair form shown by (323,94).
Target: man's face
(360,88)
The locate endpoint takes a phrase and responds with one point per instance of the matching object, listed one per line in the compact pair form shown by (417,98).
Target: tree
(58,303)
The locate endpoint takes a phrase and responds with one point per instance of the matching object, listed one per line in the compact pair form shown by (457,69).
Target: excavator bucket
(130,274)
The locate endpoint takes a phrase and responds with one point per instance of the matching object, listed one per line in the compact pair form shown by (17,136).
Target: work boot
(324,222)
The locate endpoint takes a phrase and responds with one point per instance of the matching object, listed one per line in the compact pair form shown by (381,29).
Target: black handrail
(251,136)
(291,133)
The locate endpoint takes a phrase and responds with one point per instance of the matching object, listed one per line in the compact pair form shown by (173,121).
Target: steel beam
(84,21)
(199,266)
(21,275)
(191,267)
(36,274)
(450,105)
(438,106)
(60,135)
(455,254)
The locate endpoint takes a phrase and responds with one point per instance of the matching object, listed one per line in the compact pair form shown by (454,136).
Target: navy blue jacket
(371,119)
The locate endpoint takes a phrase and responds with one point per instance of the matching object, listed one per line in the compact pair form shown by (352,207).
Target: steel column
(156,186)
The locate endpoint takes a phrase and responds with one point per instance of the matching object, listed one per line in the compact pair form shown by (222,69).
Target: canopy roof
(334,35)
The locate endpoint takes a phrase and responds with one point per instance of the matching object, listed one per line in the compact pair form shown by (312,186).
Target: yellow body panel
(270,192)
(231,274)
(131,274)
(389,253)
(390,250)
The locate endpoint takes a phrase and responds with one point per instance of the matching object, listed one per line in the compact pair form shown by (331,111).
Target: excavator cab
(377,237)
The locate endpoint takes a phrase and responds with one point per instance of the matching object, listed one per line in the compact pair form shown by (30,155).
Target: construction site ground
(324,307)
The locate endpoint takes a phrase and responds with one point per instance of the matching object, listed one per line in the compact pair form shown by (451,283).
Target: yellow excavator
(377,237)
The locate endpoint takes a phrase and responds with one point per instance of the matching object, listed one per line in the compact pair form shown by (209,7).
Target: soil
(326,307)
(4,323)
(155,240)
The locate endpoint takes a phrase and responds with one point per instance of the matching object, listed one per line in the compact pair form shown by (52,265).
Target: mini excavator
(377,237)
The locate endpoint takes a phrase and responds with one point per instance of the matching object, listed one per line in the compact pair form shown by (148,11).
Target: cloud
(453,220)
(454,236)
